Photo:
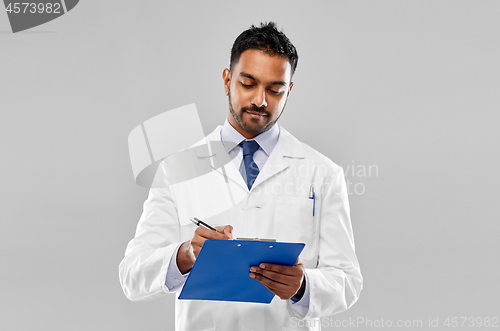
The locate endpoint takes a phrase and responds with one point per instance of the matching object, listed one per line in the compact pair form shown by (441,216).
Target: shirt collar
(266,140)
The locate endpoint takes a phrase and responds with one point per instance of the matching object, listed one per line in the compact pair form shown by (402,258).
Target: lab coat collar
(287,147)
(266,140)
(290,146)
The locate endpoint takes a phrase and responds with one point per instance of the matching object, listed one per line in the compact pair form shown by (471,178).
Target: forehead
(263,67)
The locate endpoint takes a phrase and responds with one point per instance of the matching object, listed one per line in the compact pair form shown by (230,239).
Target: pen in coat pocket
(312,196)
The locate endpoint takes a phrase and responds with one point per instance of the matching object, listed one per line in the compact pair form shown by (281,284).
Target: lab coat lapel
(229,170)
(287,147)
(233,174)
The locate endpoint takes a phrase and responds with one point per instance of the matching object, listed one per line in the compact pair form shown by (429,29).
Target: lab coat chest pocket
(294,222)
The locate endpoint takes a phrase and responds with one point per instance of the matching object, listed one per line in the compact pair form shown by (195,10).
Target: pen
(199,222)
(312,196)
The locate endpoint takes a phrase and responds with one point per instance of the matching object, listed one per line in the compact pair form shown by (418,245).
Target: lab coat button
(243,205)
(177,279)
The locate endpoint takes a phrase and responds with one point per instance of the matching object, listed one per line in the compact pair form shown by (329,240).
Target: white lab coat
(277,206)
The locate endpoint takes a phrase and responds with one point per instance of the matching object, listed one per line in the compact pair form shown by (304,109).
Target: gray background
(411,87)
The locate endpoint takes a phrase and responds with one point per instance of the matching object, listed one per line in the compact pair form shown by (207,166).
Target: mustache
(255,109)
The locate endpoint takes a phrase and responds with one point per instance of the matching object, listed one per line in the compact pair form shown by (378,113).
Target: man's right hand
(189,250)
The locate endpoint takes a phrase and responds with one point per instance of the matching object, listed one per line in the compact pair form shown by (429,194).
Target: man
(286,190)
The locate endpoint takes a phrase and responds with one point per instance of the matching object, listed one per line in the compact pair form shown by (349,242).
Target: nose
(259,98)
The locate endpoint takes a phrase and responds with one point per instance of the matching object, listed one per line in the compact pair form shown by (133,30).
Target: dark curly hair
(267,39)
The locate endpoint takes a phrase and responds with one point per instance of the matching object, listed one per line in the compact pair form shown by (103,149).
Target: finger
(283,291)
(282,295)
(226,231)
(200,235)
(269,282)
(277,277)
(281,269)
(293,282)
(204,234)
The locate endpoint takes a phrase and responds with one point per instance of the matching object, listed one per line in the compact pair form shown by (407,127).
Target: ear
(226,77)
(290,89)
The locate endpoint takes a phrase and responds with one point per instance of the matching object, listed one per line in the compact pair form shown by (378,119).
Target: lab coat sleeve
(336,282)
(144,268)
(175,279)
(301,306)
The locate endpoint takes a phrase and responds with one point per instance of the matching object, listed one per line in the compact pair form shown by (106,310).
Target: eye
(246,86)
(275,92)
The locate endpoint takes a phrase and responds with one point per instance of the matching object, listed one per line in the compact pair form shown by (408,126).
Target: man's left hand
(282,280)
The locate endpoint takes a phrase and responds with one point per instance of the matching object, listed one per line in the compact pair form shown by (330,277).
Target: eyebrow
(276,82)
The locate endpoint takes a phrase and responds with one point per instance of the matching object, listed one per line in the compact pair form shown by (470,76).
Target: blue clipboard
(221,271)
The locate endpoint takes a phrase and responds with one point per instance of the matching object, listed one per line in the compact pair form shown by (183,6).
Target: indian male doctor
(272,178)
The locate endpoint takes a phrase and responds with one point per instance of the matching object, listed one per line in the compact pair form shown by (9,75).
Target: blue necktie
(251,169)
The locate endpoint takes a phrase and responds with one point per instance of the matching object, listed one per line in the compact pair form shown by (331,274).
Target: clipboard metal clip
(256,239)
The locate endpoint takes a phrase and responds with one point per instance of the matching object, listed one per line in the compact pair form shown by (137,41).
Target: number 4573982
(27,7)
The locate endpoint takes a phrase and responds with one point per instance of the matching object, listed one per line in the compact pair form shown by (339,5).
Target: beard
(252,129)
